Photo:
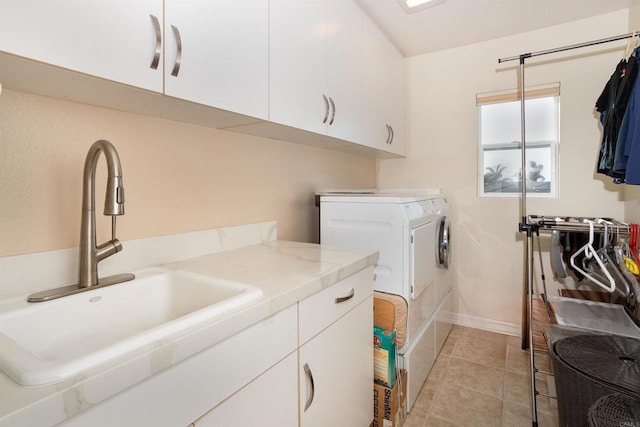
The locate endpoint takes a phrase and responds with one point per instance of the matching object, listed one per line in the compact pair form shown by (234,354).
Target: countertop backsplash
(24,274)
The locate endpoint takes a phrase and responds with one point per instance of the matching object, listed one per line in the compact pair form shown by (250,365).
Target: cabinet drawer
(322,309)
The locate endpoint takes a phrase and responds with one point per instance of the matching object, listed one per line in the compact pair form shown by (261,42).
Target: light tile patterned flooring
(482,379)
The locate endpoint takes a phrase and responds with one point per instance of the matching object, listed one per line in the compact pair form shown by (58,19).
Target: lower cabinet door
(336,372)
(269,400)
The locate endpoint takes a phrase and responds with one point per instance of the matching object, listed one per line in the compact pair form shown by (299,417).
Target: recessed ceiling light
(411,6)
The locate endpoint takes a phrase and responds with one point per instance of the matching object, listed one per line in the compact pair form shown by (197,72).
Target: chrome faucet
(90,252)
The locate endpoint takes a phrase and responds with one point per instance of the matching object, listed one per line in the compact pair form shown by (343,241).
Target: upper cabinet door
(298,64)
(344,69)
(384,81)
(396,100)
(222,51)
(115,40)
(316,66)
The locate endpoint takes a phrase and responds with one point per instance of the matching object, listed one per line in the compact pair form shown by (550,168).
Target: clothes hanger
(591,253)
(634,236)
(628,51)
(623,287)
(625,253)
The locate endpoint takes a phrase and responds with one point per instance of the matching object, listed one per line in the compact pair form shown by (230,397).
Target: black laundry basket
(615,410)
(588,367)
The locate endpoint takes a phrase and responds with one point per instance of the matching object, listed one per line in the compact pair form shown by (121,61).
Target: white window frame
(550,90)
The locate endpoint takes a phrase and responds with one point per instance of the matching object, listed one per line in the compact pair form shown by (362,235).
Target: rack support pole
(527,291)
(532,365)
(523,209)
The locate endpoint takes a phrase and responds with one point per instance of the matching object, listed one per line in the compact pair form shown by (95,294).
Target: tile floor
(482,379)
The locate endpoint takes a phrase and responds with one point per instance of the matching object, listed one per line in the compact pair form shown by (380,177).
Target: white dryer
(410,230)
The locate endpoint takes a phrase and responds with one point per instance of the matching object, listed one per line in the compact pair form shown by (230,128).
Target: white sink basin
(51,341)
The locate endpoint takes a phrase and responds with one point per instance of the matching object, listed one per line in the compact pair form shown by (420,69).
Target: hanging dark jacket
(627,156)
(612,105)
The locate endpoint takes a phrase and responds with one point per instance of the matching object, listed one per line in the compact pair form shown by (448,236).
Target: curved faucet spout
(90,252)
(114,200)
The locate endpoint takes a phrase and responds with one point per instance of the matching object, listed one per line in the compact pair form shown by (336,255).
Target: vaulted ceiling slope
(462,22)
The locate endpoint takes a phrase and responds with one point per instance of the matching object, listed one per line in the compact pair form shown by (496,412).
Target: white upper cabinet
(314,72)
(223,55)
(384,88)
(104,38)
(344,69)
(298,64)
(316,66)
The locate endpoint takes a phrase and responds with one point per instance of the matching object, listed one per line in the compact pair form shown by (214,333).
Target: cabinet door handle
(326,108)
(392,135)
(333,114)
(307,371)
(176,65)
(156,54)
(347,298)
(388,134)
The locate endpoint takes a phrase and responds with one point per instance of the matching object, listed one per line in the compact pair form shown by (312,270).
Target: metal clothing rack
(528,227)
(554,223)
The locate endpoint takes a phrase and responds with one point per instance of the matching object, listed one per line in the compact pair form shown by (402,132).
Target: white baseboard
(486,324)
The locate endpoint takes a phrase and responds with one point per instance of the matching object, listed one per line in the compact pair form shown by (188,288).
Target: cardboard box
(390,404)
(384,356)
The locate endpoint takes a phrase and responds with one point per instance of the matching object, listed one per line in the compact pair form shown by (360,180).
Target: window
(499,158)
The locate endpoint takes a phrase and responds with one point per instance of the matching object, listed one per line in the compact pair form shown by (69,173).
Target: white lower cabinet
(266,374)
(336,372)
(329,380)
(270,400)
(184,392)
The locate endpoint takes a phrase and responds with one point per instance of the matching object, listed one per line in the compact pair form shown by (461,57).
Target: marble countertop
(287,272)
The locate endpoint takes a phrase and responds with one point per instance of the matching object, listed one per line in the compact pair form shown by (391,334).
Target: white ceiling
(462,22)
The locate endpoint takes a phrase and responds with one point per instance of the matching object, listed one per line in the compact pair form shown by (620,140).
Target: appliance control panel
(420,209)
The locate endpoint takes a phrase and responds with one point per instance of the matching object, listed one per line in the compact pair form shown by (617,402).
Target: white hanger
(625,55)
(628,51)
(590,252)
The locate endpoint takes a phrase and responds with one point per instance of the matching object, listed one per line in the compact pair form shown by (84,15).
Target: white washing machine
(410,230)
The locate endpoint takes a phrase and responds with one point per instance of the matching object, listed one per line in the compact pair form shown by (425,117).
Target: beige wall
(442,151)
(632,204)
(178,177)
